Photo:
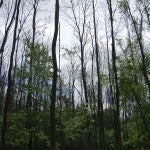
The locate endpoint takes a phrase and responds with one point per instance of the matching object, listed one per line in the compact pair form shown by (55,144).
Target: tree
(133,102)
(72,70)
(54,81)
(82,36)
(29,102)
(9,88)
(7,30)
(116,93)
(137,25)
(141,46)
(99,87)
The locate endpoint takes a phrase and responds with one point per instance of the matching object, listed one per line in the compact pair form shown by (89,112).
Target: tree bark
(100,103)
(54,82)
(117,128)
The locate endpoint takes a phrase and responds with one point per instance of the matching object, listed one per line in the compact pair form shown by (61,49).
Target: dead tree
(80,29)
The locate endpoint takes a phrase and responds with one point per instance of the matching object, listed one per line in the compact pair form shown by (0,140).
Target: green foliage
(135,137)
(17,136)
(104,80)
(133,93)
(130,78)
(43,138)
(123,6)
(17,133)
(37,66)
(109,134)
(40,126)
(76,126)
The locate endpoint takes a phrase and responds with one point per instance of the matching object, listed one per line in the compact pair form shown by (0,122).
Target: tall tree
(138,25)
(99,88)
(82,36)
(9,88)
(29,102)
(116,100)
(54,82)
(7,30)
(139,32)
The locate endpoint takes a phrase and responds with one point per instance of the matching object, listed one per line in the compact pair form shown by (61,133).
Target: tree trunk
(100,103)
(54,82)
(6,35)
(117,128)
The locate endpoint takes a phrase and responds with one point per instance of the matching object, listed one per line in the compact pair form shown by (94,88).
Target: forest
(74,75)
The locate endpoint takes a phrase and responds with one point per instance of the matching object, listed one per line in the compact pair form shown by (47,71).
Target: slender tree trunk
(54,82)
(72,95)
(116,86)
(111,104)
(100,103)
(9,88)
(6,35)
(93,95)
(14,92)
(83,71)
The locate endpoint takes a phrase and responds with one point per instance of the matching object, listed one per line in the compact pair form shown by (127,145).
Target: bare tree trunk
(72,95)
(94,111)
(9,88)
(117,128)
(83,70)
(100,103)
(54,83)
